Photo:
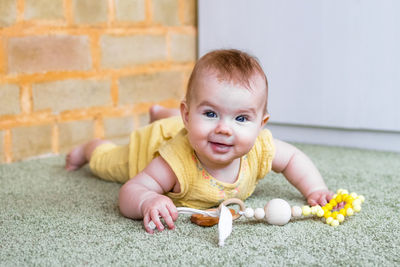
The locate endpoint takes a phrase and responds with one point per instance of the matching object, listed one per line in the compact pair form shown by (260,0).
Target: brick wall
(71,70)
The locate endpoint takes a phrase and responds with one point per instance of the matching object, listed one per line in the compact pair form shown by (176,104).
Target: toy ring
(234,201)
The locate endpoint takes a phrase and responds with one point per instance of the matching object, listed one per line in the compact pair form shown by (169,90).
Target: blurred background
(333,66)
(71,70)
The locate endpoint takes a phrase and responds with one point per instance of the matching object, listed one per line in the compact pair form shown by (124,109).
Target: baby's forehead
(256,83)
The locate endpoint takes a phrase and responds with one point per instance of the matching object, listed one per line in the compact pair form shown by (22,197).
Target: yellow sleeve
(177,152)
(265,152)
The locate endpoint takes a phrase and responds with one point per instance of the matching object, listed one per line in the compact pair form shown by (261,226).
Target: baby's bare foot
(76,158)
(158,112)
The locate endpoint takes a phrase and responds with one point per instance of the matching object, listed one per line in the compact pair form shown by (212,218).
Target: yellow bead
(334,223)
(306,210)
(335,196)
(356,202)
(325,209)
(347,206)
(329,220)
(342,212)
(349,212)
(362,198)
(320,213)
(328,206)
(344,197)
(335,214)
(340,217)
(353,194)
(333,202)
(357,208)
(327,214)
(339,198)
(349,199)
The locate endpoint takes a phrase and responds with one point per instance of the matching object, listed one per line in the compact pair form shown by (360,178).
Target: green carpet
(52,217)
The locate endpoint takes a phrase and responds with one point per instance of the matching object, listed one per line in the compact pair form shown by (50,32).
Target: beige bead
(296,211)
(277,212)
(248,213)
(259,213)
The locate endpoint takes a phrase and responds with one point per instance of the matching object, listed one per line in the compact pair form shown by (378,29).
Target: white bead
(248,213)
(259,213)
(277,212)
(296,211)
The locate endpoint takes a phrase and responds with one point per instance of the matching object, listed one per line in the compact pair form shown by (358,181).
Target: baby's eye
(241,118)
(210,114)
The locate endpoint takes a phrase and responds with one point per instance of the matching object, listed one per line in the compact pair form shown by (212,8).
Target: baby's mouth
(220,147)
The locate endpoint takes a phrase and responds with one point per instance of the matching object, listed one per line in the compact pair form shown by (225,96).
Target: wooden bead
(248,213)
(259,213)
(277,212)
(296,211)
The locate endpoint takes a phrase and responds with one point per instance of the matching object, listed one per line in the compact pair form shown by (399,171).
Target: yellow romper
(198,188)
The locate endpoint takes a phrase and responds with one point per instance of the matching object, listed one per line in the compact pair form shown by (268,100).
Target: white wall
(333,66)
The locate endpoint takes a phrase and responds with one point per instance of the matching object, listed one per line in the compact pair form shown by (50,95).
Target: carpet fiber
(52,217)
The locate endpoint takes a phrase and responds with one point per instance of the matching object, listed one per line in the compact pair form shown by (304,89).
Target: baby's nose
(223,128)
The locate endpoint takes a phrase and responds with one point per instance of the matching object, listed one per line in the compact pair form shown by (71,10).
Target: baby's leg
(81,155)
(158,112)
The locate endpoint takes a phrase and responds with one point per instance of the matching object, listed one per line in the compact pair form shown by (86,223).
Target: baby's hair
(230,65)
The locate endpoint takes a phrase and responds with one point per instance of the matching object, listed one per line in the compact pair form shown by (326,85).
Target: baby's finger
(154,215)
(312,202)
(146,223)
(167,218)
(322,200)
(173,212)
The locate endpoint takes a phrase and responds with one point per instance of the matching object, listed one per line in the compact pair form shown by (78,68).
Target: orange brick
(90,11)
(166,12)
(48,53)
(74,133)
(31,141)
(9,99)
(118,129)
(190,12)
(125,51)
(130,10)
(71,94)
(8,12)
(183,47)
(44,9)
(151,87)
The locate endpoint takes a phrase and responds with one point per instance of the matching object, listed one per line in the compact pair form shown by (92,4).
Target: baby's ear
(184,112)
(265,119)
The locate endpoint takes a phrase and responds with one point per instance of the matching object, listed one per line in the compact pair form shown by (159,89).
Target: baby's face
(224,119)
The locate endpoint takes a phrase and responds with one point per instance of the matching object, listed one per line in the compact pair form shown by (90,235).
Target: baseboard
(366,139)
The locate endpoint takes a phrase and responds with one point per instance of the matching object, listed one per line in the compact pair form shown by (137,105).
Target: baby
(217,149)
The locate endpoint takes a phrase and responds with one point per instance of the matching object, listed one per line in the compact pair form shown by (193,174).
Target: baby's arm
(141,197)
(300,172)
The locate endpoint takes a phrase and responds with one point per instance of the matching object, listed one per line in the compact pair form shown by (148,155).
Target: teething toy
(276,212)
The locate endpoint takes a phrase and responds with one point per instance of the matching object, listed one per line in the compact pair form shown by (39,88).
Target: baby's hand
(319,197)
(158,207)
